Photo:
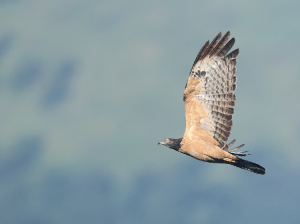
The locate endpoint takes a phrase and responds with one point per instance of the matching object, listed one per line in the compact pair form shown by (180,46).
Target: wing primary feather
(236,148)
(233,62)
(231,143)
(220,45)
(212,45)
(226,48)
(201,52)
(233,54)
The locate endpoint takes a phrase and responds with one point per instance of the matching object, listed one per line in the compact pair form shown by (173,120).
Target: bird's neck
(176,144)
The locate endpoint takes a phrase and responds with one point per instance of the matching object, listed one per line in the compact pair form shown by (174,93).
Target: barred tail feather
(247,165)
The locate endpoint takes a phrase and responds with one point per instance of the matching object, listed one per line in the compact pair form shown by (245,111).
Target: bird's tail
(247,165)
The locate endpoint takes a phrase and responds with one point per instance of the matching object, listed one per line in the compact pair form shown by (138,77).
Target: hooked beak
(161,143)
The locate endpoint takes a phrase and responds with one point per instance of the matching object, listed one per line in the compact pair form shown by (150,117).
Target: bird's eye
(167,140)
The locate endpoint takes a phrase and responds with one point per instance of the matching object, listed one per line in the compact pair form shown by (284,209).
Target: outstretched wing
(209,94)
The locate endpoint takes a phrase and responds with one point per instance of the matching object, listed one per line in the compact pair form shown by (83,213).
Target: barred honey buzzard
(209,100)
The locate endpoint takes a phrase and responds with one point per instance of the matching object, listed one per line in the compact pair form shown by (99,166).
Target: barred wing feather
(212,83)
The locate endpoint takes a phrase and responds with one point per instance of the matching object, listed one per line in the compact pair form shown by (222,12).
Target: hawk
(209,100)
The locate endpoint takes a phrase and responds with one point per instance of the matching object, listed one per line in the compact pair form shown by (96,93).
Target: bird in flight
(209,100)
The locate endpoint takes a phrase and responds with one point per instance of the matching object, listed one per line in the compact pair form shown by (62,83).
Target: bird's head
(171,143)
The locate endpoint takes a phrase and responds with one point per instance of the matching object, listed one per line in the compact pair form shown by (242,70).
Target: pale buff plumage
(209,100)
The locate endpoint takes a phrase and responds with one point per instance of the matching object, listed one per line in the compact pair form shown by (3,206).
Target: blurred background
(88,88)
